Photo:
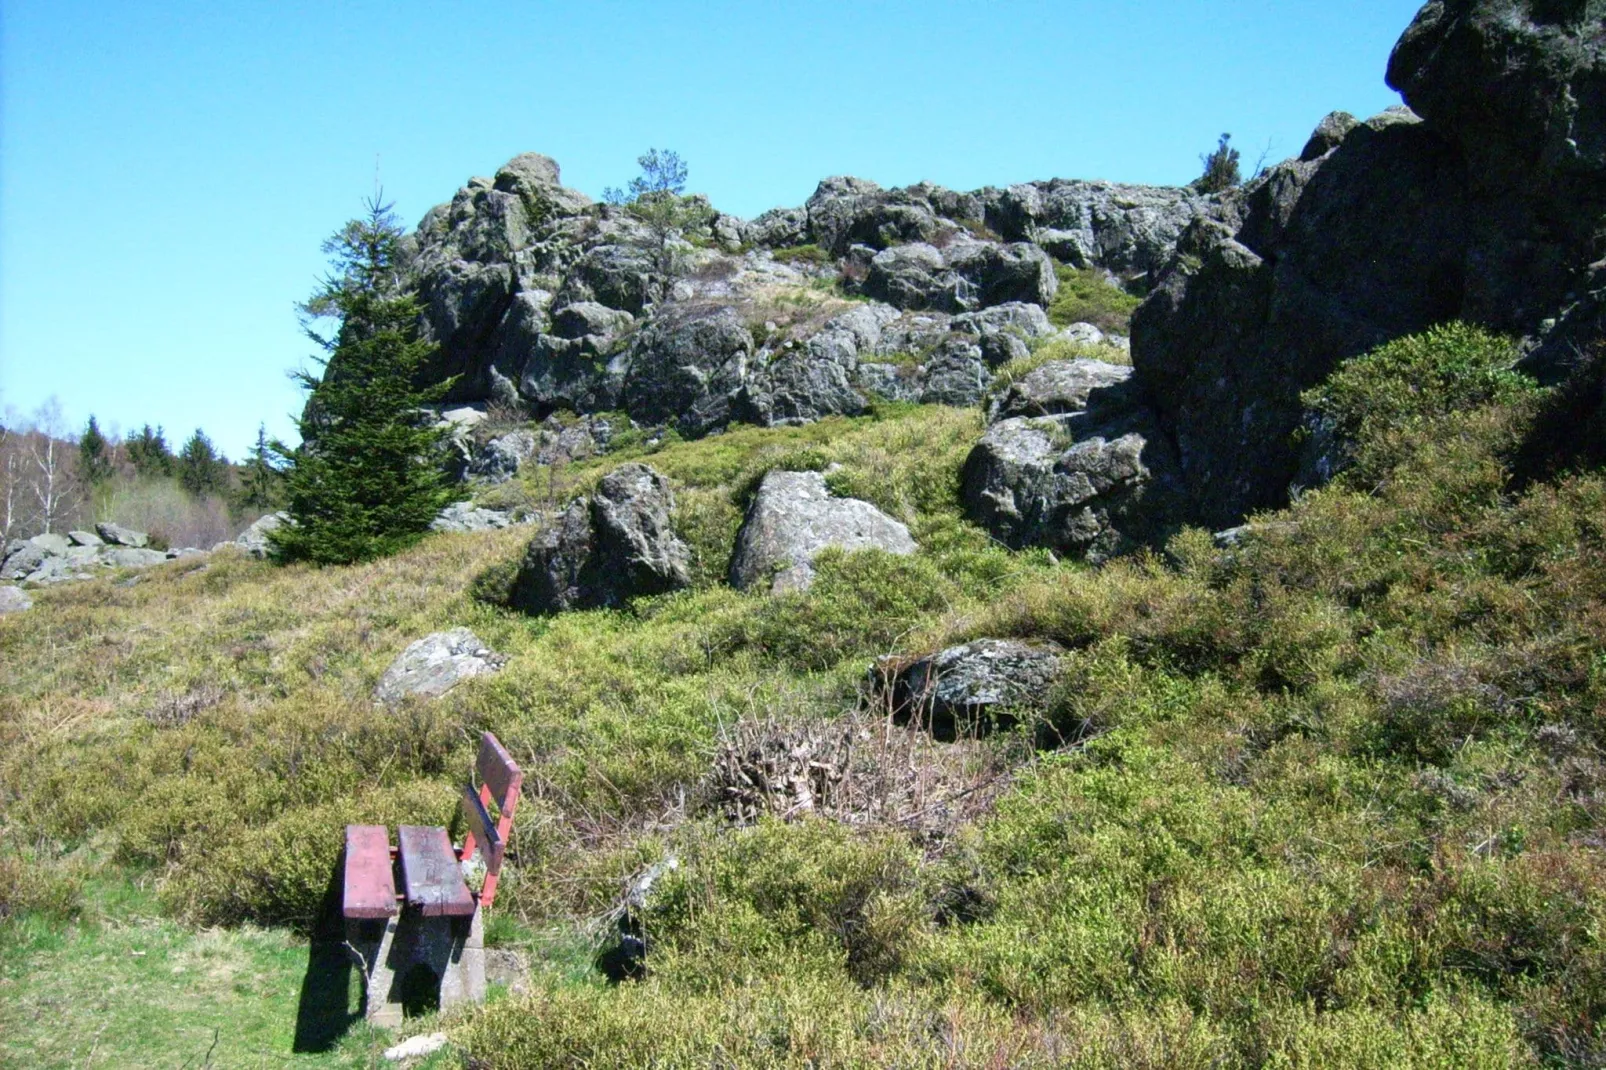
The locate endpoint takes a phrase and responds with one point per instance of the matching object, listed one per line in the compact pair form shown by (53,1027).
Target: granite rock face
(792,518)
(1481,203)
(607,549)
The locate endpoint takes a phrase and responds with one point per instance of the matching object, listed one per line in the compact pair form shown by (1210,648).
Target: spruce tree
(201,470)
(94,456)
(260,480)
(369,475)
(148,452)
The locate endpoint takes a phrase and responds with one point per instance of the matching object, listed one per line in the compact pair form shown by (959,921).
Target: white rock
(416,1047)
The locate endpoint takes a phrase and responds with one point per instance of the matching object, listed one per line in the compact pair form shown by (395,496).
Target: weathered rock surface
(792,518)
(117,535)
(254,539)
(1482,203)
(1087,473)
(616,545)
(435,664)
(14,600)
(966,689)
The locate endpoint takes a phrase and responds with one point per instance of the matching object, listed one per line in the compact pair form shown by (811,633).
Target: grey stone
(52,543)
(499,459)
(117,535)
(466,516)
(85,538)
(435,664)
(254,539)
(956,373)
(1059,386)
(607,549)
(130,557)
(687,369)
(968,689)
(1092,483)
(793,516)
(22,558)
(14,600)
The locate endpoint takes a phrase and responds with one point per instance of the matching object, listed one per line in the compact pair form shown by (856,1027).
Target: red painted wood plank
(482,833)
(499,772)
(370,886)
(430,873)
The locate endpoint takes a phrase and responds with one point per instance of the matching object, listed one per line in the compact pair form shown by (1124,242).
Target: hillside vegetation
(1327,795)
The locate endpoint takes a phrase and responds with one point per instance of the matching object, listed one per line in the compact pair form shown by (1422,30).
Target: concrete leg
(452,949)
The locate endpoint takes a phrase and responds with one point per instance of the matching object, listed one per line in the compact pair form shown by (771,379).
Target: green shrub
(803,254)
(1086,295)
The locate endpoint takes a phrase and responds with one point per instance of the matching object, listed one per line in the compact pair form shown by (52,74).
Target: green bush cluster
(1086,295)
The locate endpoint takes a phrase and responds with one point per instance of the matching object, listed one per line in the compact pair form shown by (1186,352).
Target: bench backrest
(500,780)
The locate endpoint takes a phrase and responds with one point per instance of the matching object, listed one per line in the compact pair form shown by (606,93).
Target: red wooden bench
(434,921)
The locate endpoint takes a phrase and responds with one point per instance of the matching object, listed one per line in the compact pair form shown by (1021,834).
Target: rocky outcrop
(1482,203)
(1073,461)
(616,545)
(434,665)
(541,299)
(969,689)
(794,516)
(53,558)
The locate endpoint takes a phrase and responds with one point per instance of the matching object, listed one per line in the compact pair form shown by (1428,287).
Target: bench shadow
(325,1013)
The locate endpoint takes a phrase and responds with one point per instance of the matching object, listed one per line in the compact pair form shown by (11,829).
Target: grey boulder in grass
(616,545)
(435,664)
(793,518)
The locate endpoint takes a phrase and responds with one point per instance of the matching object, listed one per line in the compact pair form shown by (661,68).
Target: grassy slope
(1340,805)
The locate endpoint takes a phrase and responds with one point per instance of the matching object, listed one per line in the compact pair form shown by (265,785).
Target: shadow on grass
(325,1012)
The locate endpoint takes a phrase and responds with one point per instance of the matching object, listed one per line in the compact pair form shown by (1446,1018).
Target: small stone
(416,1047)
(14,600)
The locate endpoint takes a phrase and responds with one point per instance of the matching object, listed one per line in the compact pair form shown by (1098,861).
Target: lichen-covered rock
(499,459)
(466,516)
(968,689)
(1092,482)
(616,545)
(688,369)
(1059,386)
(794,516)
(435,664)
(85,538)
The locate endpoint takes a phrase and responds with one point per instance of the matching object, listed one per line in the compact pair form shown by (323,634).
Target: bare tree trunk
(10,482)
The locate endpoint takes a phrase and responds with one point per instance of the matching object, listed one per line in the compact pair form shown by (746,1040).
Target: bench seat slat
(370,885)
(430,873)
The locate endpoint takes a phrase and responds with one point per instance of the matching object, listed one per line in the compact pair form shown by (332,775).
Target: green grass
(1085,295)
(125,986)
(1331,797)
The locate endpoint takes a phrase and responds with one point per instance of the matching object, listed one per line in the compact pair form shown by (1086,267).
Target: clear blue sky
(167,170)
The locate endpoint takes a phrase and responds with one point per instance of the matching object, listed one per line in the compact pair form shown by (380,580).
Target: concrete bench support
(388,951)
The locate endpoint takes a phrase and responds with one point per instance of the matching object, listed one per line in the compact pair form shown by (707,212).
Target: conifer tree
(260,480)
(94,455)
(201,470)
(369,475)
(148,452)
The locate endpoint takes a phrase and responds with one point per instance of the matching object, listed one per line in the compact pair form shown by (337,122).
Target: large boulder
(792,518)
(616,545)
(117,535)
(434,665)
(1091,476)
(1482,203)
(968,689)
